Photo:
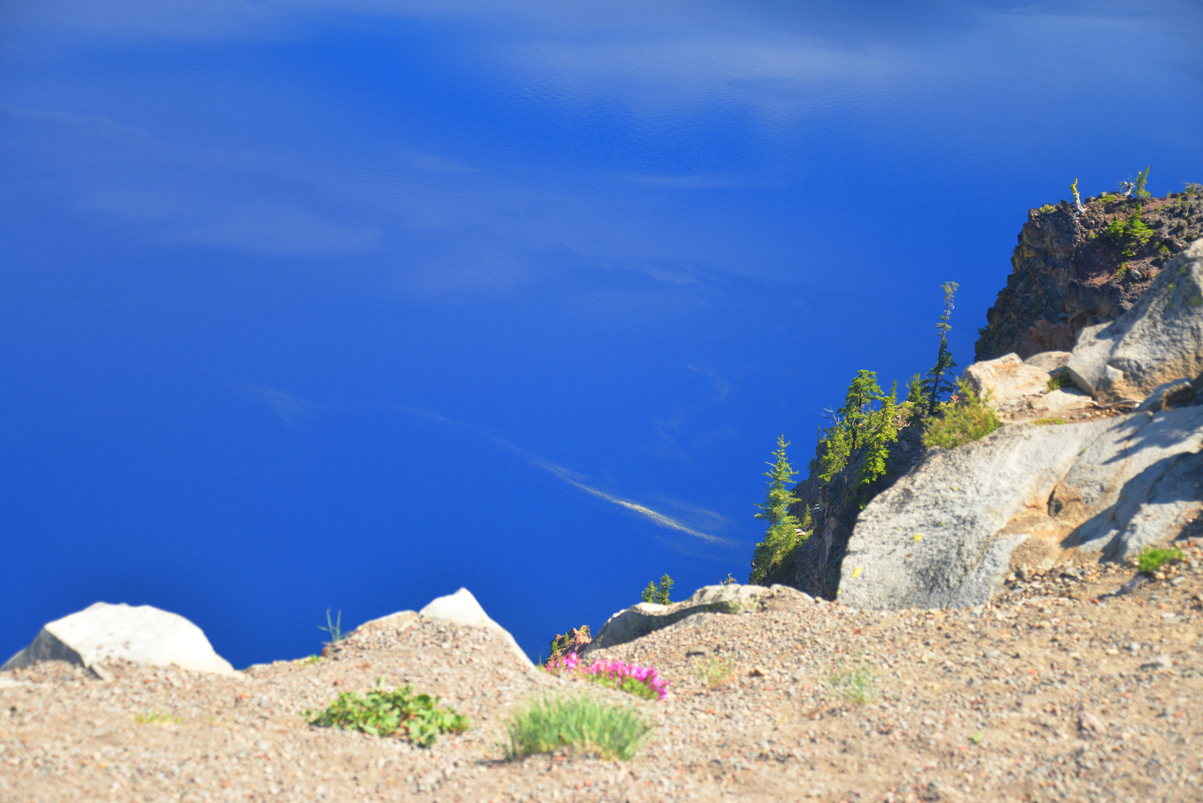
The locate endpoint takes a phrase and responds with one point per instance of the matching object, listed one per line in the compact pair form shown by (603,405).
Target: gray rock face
(1159,340)
(1049,360)
(647,617)
(142,635)
(945,535)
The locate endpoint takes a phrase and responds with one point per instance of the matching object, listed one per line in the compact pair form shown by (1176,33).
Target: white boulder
(462,609)
(141,635)
(1006,380)
(1018,389)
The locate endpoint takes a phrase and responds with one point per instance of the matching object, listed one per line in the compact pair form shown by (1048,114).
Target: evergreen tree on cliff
(782,535)
(939,379)
(882,430)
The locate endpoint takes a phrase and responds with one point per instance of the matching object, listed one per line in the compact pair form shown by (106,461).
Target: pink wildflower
(616,671)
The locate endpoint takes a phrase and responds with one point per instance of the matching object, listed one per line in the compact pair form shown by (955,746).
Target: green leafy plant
(658,594)
(730,581)
(155,718)
(333,628)
(1121,271)
(856,680)
(1059,379)
(311,660)
(1048,422)
(782,535)
(967,419)
(578,722)
(1107,198)
(388,712)
(1047,208)
(717,672)
(1152,559)
(1193,188)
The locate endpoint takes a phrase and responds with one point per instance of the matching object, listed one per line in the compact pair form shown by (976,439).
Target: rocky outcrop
(1159,340)
(647,617)
(946,534)
(1071,270)
(1045,493)
(104,633)
(1018,390)
(460,609)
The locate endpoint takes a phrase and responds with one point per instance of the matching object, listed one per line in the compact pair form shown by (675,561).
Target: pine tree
(882,430)
(916,401)
(836,447)
(782,534)
(855,413)
(938,382)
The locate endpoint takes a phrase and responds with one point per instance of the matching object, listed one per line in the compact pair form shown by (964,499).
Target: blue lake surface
(331,306)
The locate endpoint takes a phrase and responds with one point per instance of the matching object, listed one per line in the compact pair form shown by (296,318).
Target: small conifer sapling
(782,534)
(658,595)
(938,381)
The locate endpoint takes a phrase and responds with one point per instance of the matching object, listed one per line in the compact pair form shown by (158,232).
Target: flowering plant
(642,681)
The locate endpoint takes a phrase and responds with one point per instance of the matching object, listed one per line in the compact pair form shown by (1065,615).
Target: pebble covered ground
(1058,691)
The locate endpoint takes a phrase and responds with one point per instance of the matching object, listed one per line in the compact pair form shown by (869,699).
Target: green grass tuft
(856,680)
(966,420)
(333,628)
(716,672)
(581,723)
(1153,559)
(1048,422)
(155,718)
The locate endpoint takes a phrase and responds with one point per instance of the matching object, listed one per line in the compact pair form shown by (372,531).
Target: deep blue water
(320,307)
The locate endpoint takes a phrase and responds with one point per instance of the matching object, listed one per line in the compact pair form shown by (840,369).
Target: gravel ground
(1056,692)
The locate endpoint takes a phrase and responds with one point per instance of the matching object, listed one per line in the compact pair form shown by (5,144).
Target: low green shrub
(1048,422)
(967,419)
(388,712)
(581,723)
(1059,379)
(1152,559)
